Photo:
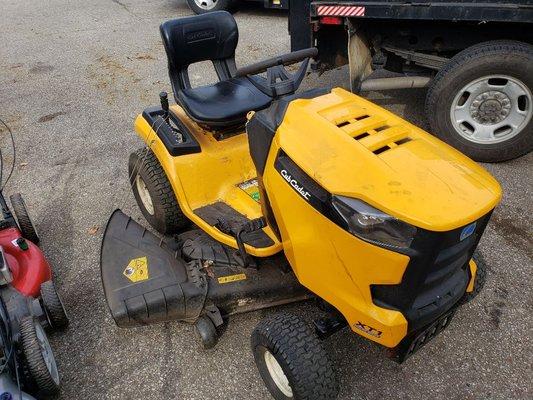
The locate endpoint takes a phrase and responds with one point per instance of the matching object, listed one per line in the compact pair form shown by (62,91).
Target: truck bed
(303,13)
(496,11)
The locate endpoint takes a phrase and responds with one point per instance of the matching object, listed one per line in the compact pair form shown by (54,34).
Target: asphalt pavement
(73,76)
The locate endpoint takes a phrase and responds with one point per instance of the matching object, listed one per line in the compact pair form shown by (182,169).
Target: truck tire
(205,6)
(292,361)
(27,229)
(154,194)
(481,102)
(38,356)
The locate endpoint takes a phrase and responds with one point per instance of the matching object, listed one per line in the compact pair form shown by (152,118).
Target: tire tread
(172,219)
(288,337)
(34,358)
(24,221)
(441,82)
(52,303)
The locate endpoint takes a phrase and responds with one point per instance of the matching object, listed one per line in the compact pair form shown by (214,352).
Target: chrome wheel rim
(206,4)
(46,351)
(492,109)
(144,195)
(277,374)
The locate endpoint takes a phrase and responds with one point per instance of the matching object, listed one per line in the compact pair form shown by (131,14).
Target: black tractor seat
(212,36)
(224,103)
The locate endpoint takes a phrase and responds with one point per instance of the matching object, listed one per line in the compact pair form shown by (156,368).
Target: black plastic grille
(436,276)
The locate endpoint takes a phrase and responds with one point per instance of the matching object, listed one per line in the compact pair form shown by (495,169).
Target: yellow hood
(355,148)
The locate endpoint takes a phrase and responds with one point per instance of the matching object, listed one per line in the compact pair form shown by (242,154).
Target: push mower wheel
(38,356)
(27,229)
(55,311)
(154,194)
(292,361)
(479,282)
(207,331)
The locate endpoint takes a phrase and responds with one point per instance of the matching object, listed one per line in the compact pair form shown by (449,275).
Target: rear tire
(205,6)
(27,229)
(53,306)
(38,356)
(292,361)
(154,194)
(481,102)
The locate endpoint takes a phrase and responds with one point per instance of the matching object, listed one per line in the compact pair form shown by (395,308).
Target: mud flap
(145,280)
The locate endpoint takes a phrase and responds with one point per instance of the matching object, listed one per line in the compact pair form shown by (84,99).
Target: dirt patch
(124,6)
(144,56)
(498,307)
(49,117)
(12,122)
(496,313)
(111,77)
(514,233)
(41,68)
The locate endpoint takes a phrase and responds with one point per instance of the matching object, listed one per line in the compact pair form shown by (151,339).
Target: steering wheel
(278,82)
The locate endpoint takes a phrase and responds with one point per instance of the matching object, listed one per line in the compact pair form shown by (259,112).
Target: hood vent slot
(402,141)
(381,149)
(361,136)
(392,145)
(381,128)
(373,131)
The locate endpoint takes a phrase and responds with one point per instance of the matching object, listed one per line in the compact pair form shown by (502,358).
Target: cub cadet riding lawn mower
(325,196)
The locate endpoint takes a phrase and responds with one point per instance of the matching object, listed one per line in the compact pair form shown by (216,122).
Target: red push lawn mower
(29,304)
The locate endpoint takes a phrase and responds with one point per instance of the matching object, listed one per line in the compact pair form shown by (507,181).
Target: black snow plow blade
(147,279)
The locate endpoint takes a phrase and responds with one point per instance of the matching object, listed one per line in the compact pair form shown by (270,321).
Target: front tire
(207,331)
(205,6)
(481,102)
(53,306)
(38,356)
(154,194)
(292,361)
(27,229)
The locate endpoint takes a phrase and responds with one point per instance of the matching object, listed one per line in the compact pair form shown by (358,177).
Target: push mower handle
(285,59)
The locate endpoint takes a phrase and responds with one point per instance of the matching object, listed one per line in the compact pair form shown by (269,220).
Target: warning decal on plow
(231,278)
(137,270)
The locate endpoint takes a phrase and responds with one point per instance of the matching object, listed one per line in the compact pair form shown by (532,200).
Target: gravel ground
(73,75)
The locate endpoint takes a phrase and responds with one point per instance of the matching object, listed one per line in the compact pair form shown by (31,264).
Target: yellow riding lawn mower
(265,196)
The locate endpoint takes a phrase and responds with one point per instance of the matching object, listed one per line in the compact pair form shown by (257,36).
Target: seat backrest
(211,36)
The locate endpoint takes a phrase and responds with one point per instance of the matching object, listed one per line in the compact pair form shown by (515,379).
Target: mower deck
(147,279)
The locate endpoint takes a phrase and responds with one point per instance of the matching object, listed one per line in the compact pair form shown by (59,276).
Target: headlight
(373,225)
